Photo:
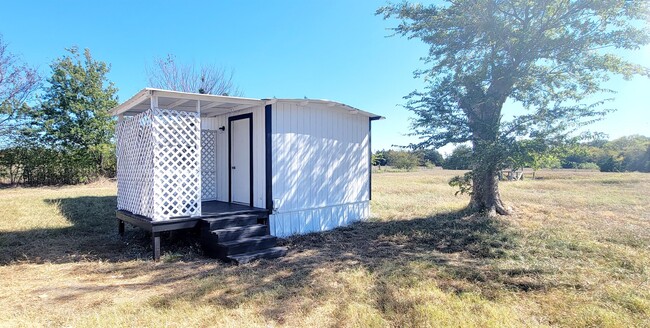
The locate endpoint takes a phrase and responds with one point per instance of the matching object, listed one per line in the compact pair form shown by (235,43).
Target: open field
(576,253)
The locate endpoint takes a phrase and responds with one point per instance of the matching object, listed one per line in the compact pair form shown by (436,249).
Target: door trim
(248,116)
(268,154)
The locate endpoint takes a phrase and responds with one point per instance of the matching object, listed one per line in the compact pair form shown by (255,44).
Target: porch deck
(215,208)
(209,210)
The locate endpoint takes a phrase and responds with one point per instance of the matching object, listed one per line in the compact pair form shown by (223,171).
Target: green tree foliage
(378,159)
(537,154)
(400,159)
(459,159)
(628,153)
(72,126)
(428,157)
(633,150)
(549,56)
(403,160)
(646,159)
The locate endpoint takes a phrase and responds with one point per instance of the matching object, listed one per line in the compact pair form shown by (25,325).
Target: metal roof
(211,105)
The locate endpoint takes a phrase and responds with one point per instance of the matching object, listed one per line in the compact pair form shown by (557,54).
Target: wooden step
(239,238)
(238,246)
(270,253)
(233,233)
(240,220)
(245,245)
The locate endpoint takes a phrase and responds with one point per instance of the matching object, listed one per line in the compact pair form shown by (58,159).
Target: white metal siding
(319,219)
(320,167)
(259,169)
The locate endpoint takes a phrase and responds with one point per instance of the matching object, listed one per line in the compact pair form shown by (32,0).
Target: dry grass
(577,253)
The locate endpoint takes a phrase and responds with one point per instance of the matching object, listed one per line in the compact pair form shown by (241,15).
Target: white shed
(190,160)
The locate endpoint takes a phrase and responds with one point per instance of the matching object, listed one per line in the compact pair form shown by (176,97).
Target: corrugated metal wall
(320,167)
(259,178)
(320,219)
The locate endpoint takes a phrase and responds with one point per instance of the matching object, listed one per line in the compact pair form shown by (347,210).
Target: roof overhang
(330,103)
(212,105)
(207,105)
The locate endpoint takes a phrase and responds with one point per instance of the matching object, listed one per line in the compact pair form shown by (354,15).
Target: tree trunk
(485,191)
(487,156)
(483,110)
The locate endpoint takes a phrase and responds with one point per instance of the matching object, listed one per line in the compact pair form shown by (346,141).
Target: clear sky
(337,50)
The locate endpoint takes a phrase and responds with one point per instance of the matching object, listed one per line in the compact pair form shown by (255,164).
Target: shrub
(404,160)
(460,159)
(588,166)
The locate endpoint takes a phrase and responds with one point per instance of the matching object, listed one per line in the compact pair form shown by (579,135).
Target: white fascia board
(205,97)
(137,99)
(330,103)
(147,93)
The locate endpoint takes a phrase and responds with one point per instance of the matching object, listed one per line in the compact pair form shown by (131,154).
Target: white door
(240,161)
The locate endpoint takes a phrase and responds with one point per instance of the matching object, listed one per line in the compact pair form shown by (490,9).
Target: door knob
(232,167)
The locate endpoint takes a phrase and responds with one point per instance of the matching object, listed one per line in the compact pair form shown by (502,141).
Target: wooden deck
(209,210)
(216,208)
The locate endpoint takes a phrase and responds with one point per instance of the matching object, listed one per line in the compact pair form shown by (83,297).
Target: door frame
(248,116)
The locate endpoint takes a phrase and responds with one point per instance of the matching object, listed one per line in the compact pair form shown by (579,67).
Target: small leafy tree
(378,159)
(538,153)
(548,55)
(403,160)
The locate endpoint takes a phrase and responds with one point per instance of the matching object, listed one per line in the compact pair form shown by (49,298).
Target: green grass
(575,253)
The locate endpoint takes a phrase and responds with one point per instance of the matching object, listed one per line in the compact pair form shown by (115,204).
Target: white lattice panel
(159,164)
(135,164)
(177,161)
(208,165)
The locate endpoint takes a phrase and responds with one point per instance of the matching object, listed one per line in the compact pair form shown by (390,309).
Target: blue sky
(334,50)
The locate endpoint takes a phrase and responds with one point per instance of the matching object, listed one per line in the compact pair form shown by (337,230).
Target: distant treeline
(36,165)
(625,154)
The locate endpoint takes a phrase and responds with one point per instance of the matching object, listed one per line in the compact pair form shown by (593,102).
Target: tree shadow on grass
(458,249)
(91,235)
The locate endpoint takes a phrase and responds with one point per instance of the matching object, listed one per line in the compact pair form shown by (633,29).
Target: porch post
(120,223)
(155,244)
(120,227)
(154,100)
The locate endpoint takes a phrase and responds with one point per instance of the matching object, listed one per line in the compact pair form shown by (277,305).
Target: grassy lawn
(576,253)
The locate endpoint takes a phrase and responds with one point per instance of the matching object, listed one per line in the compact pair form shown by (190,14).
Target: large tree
(550,56)
(73,117)
(168,73)
(18,83)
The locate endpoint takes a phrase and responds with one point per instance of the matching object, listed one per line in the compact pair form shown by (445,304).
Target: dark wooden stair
(239,238)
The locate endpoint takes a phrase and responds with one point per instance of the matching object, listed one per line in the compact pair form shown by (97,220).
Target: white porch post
(154,100)
(198,150)
(155,237)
